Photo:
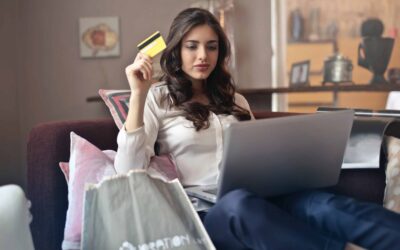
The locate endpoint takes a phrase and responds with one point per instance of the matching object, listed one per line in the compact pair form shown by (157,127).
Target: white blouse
(196,154)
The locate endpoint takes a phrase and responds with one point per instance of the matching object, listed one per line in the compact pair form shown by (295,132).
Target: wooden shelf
(326,88)
(93,99)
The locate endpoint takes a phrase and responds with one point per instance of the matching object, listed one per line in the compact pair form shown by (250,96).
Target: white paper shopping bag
(140,212)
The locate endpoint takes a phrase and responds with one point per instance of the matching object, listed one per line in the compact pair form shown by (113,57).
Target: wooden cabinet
(317,52)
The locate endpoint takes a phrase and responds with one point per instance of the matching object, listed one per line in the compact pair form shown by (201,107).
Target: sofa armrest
(48,144)
(362,184)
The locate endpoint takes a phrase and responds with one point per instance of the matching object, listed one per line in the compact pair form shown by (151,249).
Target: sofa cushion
(392,191)
(64,166)
(117,102)
(87,164)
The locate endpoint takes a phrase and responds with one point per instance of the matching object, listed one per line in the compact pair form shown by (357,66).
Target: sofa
(49,143)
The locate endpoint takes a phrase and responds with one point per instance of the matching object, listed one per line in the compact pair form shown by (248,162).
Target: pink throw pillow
(163,165)
(392,191)
(87,164)
(65,169)
(64,166)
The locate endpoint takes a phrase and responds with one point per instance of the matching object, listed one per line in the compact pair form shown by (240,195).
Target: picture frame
(299,74)
(99,37)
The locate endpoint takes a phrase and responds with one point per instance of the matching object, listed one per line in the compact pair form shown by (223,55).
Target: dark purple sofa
(49,143)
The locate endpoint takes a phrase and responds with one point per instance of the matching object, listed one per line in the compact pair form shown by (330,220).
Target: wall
(253,43)
(52,82)
(10,163)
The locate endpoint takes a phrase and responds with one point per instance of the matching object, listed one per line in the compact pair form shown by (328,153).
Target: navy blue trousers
(305,220)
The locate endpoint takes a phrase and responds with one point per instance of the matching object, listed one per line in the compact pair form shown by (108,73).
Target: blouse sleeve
(242,102)
(137,147)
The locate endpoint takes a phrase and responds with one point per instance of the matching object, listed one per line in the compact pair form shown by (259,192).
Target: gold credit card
(152,45)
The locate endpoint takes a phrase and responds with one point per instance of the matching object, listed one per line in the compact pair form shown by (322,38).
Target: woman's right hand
(139,74)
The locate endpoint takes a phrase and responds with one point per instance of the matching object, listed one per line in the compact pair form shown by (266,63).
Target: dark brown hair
(218,86)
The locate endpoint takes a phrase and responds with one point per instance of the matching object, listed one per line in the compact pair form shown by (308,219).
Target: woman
(185,115)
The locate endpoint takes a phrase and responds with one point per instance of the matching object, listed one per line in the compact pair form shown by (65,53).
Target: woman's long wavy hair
(218,86)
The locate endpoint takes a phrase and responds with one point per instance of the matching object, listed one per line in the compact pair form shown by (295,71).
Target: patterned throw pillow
(118,103)
(392,192)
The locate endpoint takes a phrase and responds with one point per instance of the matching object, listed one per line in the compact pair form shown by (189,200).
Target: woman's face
(199,52)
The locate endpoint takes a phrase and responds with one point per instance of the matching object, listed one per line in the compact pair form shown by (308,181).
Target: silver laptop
(281,155)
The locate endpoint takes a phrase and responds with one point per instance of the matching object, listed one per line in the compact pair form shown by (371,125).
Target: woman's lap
(325,217)
(250,222)
(363,223)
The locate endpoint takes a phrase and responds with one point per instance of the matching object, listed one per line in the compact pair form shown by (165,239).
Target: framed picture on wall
(99,37)
(299,73)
